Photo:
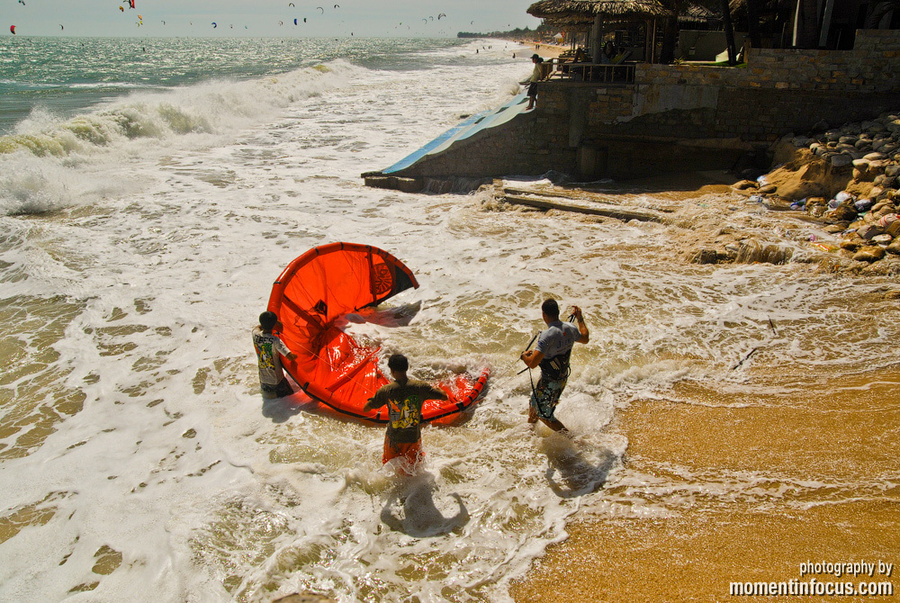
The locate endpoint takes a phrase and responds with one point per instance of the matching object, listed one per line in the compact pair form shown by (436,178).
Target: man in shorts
(554,346)
(404,399)
(532,81)
(269,350)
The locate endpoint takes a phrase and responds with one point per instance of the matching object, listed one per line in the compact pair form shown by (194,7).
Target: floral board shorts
(545,397)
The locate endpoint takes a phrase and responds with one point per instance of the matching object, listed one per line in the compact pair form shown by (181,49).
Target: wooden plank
(594,209)
(582,197)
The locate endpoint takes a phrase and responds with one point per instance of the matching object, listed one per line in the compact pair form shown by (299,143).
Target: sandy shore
(695,553)
(813,430)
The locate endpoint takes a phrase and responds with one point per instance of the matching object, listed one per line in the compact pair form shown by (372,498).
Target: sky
(263,18)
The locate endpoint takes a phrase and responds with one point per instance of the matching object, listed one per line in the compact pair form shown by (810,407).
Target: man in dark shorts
(533,80)
(404,399)
(554,346)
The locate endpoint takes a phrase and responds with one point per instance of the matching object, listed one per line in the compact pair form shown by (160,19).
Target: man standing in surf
(554,346)
(404,399)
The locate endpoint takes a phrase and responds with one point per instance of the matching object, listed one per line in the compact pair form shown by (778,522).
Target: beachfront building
(641,116)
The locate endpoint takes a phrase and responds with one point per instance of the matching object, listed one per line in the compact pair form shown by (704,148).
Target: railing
(599,73)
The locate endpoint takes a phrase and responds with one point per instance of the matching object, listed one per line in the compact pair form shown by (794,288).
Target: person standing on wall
(532,81)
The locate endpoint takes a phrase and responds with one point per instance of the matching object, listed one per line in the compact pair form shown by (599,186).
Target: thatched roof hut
(596,15)
(582,13)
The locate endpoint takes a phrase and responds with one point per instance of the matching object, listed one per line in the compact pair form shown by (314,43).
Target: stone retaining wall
(682,117)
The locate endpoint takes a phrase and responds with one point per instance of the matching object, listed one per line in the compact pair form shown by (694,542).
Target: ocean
(152,190)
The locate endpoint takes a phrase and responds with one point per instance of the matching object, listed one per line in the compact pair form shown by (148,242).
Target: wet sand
(821,467)
(763,483)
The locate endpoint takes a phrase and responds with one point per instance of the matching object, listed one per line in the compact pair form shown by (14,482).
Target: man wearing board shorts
(554,347)
(269,350)
(404,399)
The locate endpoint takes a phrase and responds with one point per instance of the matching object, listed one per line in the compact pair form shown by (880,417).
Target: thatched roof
(582,12)
(697,12)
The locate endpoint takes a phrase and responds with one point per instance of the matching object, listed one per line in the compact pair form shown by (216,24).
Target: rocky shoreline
(844,179)
(831,203)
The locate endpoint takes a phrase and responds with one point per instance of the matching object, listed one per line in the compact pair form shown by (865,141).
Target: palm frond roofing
(582,12)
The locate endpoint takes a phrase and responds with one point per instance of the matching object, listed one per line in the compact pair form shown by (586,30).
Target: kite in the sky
(12,29)
(321,9)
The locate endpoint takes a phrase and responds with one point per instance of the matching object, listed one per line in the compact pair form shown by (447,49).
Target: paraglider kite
(312,298)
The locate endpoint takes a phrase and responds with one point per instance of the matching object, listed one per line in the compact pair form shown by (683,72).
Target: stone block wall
(676,117)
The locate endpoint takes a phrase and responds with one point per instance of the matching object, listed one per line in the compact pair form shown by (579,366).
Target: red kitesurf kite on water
(312,298)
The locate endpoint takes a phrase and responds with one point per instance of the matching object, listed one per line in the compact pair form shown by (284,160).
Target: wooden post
(826,24)
(729,32)
(596,39)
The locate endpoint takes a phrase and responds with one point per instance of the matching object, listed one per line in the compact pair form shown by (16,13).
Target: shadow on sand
(411,509)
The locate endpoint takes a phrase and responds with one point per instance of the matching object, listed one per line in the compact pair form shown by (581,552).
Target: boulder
(853,242)
(869,253)
(743,185)
(894,247)
(870,231)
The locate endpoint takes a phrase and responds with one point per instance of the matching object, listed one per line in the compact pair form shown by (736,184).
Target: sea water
(150,193)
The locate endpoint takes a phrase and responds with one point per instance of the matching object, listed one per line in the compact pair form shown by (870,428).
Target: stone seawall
(680,117)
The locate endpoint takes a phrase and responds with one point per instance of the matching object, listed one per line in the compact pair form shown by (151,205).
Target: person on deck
(554,346)
(404,399)
(609,53)
(269,350)
(532,81)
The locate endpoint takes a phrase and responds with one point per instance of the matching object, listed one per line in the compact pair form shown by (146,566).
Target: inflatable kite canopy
(309,297)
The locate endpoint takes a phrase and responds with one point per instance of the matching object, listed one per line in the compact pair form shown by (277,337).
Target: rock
(768,189)
(894,247)
(853,242)
(869,253)
(776,203)
(845,212)
(840,160)
(834,228)
(752,251)
(816,206)
(706,256)
(863,205)
(875,157)
(882,240)
(870,231)
(893,229)
(743,185)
